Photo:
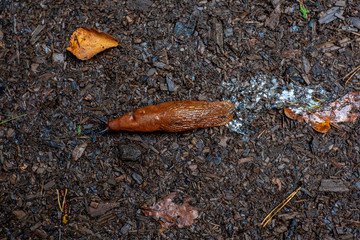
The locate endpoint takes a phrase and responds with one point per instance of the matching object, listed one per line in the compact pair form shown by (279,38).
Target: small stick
(351,74)
(22,115)
(61,206)
(278,208)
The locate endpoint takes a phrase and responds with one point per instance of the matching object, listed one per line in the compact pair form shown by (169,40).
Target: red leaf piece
(345,109)
(168,212)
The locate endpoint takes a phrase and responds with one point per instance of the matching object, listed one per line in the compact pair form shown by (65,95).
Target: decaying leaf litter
(177,51)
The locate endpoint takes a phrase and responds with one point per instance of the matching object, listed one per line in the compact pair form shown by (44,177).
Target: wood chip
(49,185)
(35,33)
(78,151)
(332,185)
(19,214)
(245,160)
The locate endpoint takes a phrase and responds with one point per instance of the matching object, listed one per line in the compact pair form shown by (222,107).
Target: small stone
(312,213)
(58,57)
(40,170)
(193,167)
(88,126)
(228,32)
(49,185)
(137,40)
(217,160)
(137,177)
(10,133)
(129,152)
(340,4)
(125,229)
(151,72)
(357,184)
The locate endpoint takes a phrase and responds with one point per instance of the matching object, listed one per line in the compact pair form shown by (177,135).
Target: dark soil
(173,50)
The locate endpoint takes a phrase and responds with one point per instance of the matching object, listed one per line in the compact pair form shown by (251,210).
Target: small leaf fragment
(345,109)
(78,151)
(169,212)
(304,11)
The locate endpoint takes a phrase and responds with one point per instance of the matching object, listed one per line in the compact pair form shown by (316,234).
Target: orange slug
(174,116)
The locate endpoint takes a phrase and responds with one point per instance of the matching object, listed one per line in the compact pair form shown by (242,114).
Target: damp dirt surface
(174,50)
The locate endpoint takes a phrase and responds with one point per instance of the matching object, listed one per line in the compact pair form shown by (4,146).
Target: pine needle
(22,115)
(351,74)
(268,218)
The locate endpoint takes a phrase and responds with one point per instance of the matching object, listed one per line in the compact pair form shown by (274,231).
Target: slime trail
(263,93)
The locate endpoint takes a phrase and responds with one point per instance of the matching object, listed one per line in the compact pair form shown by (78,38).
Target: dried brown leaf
(274,18)
(78,151)
(169,212)
(87,42)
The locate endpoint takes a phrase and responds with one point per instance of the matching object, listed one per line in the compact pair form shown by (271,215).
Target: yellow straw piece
(278,208)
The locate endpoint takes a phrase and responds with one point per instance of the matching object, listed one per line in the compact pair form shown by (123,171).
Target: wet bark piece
(78,151)
(332,185)
(129,152)
(274,18)
(19,214)
(142,5)
(219,34)
(355,21)
(331,15)
(97,209)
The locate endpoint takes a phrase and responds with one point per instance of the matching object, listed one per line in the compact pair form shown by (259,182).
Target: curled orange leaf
(87,42)
(345,109)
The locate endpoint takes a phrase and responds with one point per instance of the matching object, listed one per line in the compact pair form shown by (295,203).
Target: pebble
(357,185)
(151,72)
(228,32)
(125,229)
(137,177)
(10,133)
(58,57)
(129,152)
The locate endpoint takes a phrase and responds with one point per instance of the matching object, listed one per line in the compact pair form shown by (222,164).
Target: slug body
(175,116)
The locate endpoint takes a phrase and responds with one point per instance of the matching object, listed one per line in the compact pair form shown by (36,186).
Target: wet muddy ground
(174,50)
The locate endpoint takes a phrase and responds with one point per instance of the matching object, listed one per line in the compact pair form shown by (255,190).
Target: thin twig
(61,206)
(58,198)
(22,115)
(351,74)
(278,208)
